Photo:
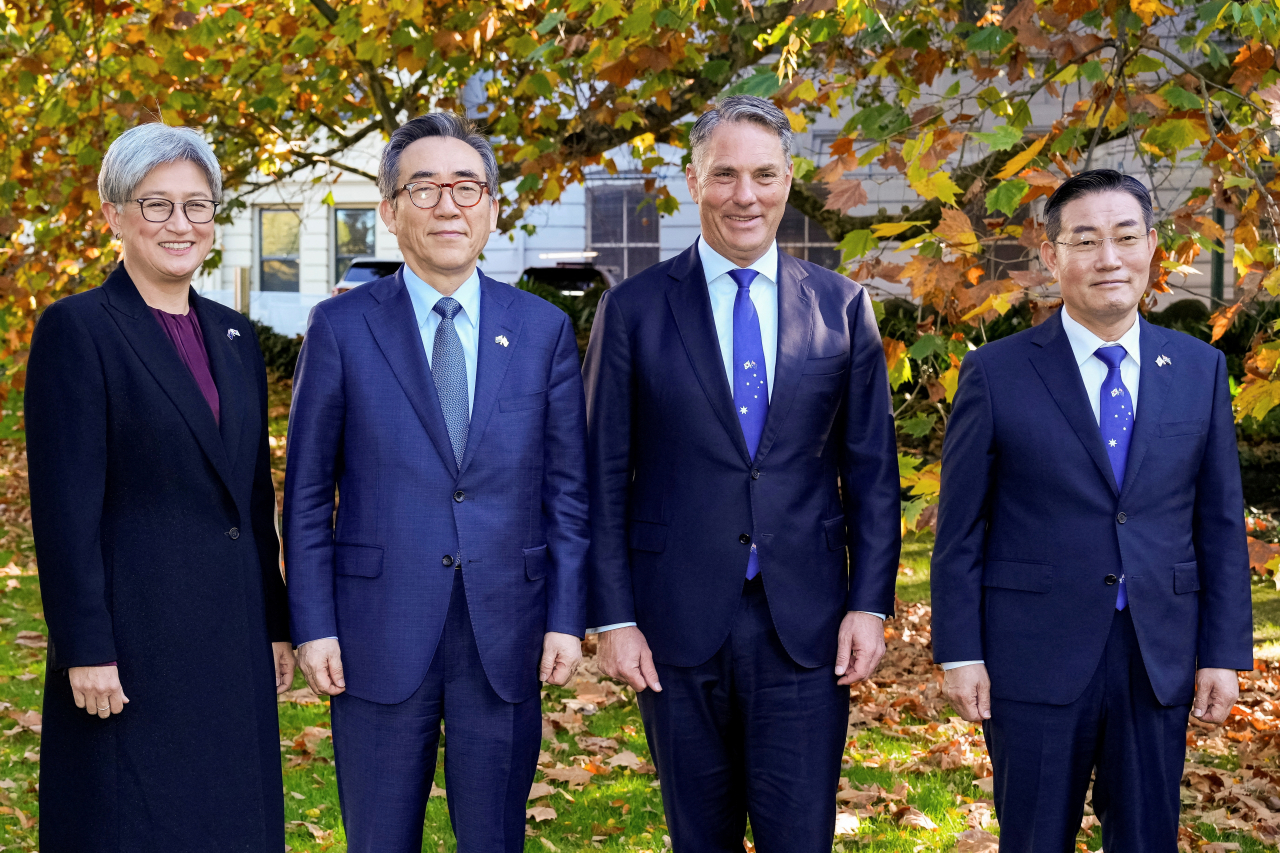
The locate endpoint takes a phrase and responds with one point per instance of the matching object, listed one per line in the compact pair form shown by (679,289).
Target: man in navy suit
(447,410)
(744,489)
(1091,576)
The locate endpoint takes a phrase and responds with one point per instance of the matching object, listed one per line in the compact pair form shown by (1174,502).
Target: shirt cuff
(879,616)
(959,663)
(300,645)
(604,628)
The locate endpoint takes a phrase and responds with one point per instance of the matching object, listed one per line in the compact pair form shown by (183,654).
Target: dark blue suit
(1032,534)
(676,503)
(366,418)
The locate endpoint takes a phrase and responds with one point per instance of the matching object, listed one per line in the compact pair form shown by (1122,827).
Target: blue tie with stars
(1115,419)
(750,386)
(449,372)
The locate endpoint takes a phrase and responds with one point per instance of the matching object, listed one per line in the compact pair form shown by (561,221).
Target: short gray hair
(446,124)
(138,150)
(736,108)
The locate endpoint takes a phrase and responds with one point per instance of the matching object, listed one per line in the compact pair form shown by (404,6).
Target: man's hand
(283,655)
(624,654)
(859,647)
(968,688)
(321,662)
(97,689)
(561,654)
(1216,691)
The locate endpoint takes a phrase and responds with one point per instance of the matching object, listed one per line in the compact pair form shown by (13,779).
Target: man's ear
(388,213)
(1049,257)
(493,214)
(691,177)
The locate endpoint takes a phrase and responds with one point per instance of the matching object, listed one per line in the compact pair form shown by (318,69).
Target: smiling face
(164,254)
(1103,283)
(441,244)
(741,187)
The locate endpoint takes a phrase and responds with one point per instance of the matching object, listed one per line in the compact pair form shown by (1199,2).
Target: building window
(353,231)
(279,233)
(802,238)
(622,228)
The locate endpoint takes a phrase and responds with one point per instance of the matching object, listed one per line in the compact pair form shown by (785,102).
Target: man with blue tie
(447,410)
(1090,575)
(745,512)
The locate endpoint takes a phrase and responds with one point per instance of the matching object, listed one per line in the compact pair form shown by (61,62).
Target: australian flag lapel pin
(232,334)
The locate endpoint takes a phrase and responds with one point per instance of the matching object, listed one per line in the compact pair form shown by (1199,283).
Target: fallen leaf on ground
(540,813)
(32,640)
(540,789)
(436,791)
(575,777)
(977,841)
(847,824)
(914,818)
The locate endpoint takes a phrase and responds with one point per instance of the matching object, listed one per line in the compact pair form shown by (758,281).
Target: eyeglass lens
(197,211)
(427,195)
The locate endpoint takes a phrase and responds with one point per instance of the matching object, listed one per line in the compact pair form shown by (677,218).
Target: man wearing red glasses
(447,410)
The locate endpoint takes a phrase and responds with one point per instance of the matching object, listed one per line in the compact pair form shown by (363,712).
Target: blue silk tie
(750,382)
(1115,420)
(449,372)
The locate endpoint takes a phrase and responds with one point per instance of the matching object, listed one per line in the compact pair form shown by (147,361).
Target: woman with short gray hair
(152,506)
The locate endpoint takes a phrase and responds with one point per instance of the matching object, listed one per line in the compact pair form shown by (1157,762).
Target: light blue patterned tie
(1115,420)
(449,370)
(750,390)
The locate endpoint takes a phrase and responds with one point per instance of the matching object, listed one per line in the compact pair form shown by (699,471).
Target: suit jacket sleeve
(564,490)
(968,461)
(1225,636)
(607,375)
(66,424)
(312,464)
(869,470)
(262,512)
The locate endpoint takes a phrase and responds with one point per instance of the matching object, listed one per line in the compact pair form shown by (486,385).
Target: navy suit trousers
(748,733)
(386,754)
(1118,731)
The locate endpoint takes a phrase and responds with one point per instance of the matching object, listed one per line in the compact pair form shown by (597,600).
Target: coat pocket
(830,364)
(647,536)
(837,537)
(1195,427)
(535,562)
(1186,577)
(362,561)
(536,400)
(1015,574)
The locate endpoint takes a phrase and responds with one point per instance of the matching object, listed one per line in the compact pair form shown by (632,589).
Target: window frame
(626,244)
(263,257)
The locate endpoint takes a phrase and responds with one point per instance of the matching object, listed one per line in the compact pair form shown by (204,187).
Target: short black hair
(1088,183)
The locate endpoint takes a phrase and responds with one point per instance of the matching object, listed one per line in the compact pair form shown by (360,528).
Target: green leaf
(1175,134)
(550,22)
(762,84)
(989,40)
(952,90)
(804,167)
(1143,64)
(919,426)
(857,244)
(925,347)
(877,307)
(907,465)
(1209,12)
(1093,71)
(606,11)
(539,83)
(1007,195)
(1001,138)
(883,120)
(328,199)
(716,69)
(1180,99)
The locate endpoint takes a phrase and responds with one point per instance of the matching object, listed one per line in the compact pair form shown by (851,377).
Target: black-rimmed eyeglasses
(427,194)
(198,211)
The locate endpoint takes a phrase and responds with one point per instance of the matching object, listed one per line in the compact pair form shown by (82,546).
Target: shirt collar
(715,264)
(1084,342)
(425,297)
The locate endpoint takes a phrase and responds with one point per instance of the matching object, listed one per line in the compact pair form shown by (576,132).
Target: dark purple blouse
(184,332)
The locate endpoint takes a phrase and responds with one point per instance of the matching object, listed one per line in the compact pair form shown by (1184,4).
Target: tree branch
(377,91)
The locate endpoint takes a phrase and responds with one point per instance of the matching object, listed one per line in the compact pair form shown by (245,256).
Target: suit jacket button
(448,560)
(234,533)
(459,497)
(1110,580)
(755,473)
(745,539)
(1121,518)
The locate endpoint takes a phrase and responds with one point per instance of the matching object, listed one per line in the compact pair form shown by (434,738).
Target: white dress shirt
(723,291)
(1093,371)
(466,321)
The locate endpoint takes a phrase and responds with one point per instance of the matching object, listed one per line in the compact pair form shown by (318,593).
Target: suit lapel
(795,333)
(154,349)
(230,374)
(395,327)
(1056,364)
(492,358)
(1153,390)
(691,306)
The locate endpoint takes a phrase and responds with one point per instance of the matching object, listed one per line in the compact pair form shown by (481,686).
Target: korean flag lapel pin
(232,334)
(502,339)
(1162,360)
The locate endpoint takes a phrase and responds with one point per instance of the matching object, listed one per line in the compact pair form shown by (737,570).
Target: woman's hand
(283,655)
(97,689)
